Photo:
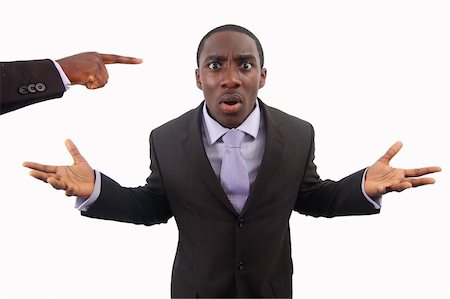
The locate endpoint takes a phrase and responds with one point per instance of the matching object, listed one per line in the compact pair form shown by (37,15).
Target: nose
(231,78)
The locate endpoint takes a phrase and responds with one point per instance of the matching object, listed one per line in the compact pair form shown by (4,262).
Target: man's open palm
(77,179)
(381,178)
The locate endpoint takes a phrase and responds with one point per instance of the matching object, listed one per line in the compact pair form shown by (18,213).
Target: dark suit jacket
(222,254)
(23,83)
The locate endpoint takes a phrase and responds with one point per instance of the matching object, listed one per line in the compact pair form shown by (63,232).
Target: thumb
(391,152)
(73,150)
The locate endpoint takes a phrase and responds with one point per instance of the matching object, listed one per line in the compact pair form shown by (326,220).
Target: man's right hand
(89,69)
(76,180)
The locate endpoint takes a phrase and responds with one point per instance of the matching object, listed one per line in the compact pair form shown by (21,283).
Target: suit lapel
(198,160)
(270,160)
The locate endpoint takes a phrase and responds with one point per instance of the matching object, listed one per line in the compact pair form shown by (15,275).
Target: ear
(197,79)
(262,79)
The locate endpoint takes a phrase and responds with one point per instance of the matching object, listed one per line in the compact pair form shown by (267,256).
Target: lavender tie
(234,173)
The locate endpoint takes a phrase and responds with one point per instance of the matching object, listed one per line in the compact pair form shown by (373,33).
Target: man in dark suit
(232,242)
(23,83)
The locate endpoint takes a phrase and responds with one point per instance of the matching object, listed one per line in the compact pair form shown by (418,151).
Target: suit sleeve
(329,198)
(146,205)
(23,83)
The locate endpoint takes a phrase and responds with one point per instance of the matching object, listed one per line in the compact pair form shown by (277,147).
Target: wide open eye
(214,65)
(246,65)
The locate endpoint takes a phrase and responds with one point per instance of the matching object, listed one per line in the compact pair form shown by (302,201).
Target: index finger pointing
(113,58)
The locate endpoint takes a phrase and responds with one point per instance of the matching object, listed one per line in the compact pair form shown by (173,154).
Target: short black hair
(235,28)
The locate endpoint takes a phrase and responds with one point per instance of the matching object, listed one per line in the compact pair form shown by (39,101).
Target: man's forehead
(224,42)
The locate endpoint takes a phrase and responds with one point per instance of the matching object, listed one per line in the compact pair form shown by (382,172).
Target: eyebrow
(223,58)
(215,58)
(247,57)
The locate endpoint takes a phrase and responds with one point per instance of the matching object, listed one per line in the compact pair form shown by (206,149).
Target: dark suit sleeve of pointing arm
(23,83)
(329,198)
(146,205)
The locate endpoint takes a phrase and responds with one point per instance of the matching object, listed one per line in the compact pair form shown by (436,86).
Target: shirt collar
(214,130)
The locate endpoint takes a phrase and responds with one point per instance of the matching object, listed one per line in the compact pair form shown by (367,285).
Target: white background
(365,74)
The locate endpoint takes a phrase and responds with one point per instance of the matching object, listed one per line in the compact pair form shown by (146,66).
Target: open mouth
(230,103)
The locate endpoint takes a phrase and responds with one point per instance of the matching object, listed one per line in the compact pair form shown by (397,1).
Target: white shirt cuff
(63,75)
(83,204)
(376,202)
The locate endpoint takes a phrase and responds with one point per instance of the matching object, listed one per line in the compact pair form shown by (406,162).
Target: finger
(399,187)
(97,79)
(391,152)
(97,83)
(40,167)
(410,183)
(73,150)
(57,184)
(381,189)
(421,171)
(70,191)
(101,77)
(90,85)
(112,58)
(40,175)
(421,181)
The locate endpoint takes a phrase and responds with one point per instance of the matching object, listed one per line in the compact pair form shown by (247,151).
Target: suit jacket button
(23,89)
(240,266)
(241,223)
(40,87)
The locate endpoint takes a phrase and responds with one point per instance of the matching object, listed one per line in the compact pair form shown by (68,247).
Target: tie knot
(233,138)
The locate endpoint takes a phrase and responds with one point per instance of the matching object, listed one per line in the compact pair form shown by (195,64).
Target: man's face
(230,75)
